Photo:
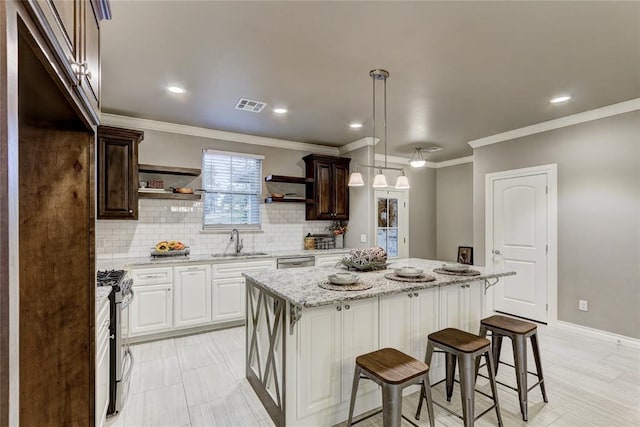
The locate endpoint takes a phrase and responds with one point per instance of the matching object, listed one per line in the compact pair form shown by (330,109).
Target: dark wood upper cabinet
(329,190)
(72,29)
(118,172)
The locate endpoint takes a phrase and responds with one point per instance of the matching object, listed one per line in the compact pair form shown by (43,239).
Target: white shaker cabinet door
(396,322)
(319,376)
(359,336)
(192,295)
(228,299)
(151,309)
(462,306)
(426,312)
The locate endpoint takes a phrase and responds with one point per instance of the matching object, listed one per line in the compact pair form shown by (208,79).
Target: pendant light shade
(355,180)
(402,183)
(380,180)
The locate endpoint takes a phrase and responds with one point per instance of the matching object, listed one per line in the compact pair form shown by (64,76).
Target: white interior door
(520,243)
(392,222)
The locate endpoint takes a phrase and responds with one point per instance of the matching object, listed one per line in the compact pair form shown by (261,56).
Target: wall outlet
(583,305)
(363,238)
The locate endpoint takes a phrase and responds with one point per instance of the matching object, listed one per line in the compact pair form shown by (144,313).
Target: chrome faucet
(239,242)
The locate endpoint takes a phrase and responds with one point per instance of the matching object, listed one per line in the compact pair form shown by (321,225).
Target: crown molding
(432,165)
(453,162)
(146,124)
(574,119)
(362,142)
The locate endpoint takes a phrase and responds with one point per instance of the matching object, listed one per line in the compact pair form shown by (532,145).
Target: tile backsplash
(283,228)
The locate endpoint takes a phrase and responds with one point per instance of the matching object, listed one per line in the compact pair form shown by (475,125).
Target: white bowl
(343,278)
(408,272)
(455,267)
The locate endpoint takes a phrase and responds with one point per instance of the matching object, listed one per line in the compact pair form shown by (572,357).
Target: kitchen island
(302,340)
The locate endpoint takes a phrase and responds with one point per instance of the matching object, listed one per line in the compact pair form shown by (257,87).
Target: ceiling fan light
(380,181)
(355,180)
(417,161)
(402,183)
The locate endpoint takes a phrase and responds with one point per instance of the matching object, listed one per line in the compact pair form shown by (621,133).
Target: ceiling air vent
(250,105)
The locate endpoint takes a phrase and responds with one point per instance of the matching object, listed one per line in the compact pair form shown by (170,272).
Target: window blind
(232,184)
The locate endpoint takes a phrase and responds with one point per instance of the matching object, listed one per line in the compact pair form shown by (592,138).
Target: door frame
(375,218)
(551,171)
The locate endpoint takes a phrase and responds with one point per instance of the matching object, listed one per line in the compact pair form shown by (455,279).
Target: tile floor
(198,380)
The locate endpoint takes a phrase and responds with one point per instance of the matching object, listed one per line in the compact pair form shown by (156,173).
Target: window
(232,184)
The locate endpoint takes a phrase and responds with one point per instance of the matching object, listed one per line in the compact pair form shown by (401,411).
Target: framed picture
(465,255)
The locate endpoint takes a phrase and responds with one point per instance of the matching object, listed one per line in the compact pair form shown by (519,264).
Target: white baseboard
(597,333)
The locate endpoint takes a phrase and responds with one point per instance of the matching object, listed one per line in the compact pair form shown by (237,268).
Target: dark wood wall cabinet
(72,29)
(329,190)
(118,172)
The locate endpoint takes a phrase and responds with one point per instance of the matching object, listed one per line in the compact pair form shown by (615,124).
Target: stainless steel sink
(240,255)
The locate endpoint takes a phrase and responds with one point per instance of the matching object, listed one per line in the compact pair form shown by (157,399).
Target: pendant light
(380,180)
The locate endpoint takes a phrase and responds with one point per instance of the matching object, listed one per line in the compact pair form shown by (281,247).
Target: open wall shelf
(168,170)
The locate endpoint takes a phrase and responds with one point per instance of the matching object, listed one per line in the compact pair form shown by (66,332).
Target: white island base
(300,361)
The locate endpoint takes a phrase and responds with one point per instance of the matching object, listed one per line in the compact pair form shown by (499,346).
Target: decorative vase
(340,241)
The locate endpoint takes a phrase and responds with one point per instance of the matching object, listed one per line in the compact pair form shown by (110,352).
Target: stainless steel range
(121,357)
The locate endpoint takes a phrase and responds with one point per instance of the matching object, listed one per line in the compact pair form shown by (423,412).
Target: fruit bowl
(169,248)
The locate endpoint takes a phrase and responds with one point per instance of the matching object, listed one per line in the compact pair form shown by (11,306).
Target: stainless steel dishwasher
(296,262)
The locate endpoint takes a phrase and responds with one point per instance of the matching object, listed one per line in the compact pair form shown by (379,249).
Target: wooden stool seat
(393,371)
(509,324)
(459,340)
(391,366)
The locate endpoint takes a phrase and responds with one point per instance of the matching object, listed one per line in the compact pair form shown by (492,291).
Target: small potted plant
(338,229)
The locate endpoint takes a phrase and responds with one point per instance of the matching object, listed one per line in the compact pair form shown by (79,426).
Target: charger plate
(417,279)
(457,273)
(358,286)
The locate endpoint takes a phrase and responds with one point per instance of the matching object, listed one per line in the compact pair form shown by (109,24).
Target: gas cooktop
(109,277)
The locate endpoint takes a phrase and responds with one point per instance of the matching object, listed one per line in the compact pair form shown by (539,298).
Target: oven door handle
(126,376)
(125,303)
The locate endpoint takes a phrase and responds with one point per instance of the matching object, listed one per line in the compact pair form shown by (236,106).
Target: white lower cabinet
(102,362)
(229,287)
(330,260)
(228,299)
(406,319)
(192,295)
(462,306)
(151,310)
(328,334)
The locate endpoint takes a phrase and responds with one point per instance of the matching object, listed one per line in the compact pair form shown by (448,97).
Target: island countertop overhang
(300,286)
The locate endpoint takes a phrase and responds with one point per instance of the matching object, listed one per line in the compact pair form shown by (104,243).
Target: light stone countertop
(300,286)
(129,263)
(102,292)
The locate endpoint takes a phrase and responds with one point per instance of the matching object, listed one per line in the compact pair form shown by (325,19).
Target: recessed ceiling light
(280,110)
(355,125)
(175,89)
(559,99)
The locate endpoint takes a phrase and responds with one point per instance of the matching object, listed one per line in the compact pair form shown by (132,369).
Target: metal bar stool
(465,348)
(518,331)
(393,371)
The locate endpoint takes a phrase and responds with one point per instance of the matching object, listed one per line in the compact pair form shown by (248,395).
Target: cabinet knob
(415,295)
(130,210)
(347,307)
(339,308)
(410,296)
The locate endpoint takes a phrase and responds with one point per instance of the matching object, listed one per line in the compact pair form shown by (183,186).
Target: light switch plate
(363,238)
